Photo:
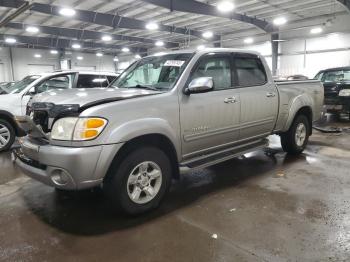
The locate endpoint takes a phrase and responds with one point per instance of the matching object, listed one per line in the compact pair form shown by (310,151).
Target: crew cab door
(258,97)
(210,121)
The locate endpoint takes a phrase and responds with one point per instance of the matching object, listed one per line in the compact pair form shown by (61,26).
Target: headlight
(344,92)
(77,129)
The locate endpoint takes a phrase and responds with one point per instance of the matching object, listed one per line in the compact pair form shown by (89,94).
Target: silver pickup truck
(164,115)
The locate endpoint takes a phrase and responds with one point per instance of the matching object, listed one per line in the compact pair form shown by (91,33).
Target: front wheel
(295,139)
(7,135)
(139,182)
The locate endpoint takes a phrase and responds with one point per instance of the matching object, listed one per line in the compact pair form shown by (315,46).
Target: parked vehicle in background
(297,77)
(14,101)
(5,86)
(336,82)
(166,114)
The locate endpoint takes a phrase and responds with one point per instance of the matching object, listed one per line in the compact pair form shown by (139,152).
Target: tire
(294,141)
(7,135)
(131,181)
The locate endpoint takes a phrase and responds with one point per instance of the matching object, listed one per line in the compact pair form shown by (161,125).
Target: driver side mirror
(31,92)
(200,85)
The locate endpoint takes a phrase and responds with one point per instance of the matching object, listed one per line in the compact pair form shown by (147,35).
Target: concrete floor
(261,207)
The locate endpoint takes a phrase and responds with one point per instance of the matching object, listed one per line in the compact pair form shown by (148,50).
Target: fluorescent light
(249,40)
(152,26)
(54,52)
(32,29)
(125,49)
(67,12)
(200,47)
(159,43)
(80,57)
(99,54)
(279,40)
(37,55)
(316,30)
(106,38)
(137,56)
(280,21)
(10,40)
(225,6)
(115,59)
(76,46)
(207,34)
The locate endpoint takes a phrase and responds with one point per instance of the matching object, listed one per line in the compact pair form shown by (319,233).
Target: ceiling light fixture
(137,56)
(207,34)
(106,38)
(115,59)
(99,54)
(316,30)
(152,26)
(10,40)
(80,57)
(32,29)
(249,40)
(37,55)
(280,21)
(159,43)
(67,12)
(225,6)
(125,49)
(54,52)
(76,46)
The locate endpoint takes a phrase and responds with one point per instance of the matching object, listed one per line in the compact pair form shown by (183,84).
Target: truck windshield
(20,85)
(334,76)
(153,72)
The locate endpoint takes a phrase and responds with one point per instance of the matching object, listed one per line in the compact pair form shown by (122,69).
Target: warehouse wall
(25,63)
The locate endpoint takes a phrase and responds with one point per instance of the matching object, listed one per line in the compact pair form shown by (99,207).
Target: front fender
(296,104)
(141,127)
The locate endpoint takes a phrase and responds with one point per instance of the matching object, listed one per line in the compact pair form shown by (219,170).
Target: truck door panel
(210,120)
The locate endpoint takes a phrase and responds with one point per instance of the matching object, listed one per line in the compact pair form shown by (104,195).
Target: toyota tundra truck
(164,115)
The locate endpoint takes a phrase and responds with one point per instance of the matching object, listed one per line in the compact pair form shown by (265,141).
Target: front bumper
(69,168)
(339,104)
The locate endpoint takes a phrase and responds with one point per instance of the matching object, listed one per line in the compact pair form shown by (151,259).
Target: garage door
(2,73)
(37,69)
(85,68)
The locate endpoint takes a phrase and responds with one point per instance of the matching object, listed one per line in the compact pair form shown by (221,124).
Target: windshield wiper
(145,87)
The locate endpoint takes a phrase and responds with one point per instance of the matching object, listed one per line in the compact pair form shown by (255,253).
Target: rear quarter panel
(293,96)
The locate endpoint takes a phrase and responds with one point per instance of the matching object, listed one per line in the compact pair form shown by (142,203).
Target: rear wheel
(295,139)
(7,135)
(139,182)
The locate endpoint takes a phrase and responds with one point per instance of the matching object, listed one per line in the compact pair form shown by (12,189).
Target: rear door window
(250,70)
(57,82)
(92,81)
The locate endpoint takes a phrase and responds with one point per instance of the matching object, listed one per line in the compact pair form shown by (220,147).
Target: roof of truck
(336,69)
(206,50)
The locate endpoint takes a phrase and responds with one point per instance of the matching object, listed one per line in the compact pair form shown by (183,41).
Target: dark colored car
(336,82)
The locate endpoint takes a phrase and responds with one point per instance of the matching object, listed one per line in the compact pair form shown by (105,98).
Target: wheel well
(306,111)
(157,140)
(11,121)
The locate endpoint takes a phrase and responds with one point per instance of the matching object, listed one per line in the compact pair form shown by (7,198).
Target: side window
(56,82)
(250,71)
(92,81)
(216,67)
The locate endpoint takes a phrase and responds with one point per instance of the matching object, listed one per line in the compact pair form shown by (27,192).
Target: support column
(274,45)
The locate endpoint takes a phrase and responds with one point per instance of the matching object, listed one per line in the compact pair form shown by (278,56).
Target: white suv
(14,103)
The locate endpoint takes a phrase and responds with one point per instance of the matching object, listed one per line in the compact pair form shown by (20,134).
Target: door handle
(230,100)
(270,94)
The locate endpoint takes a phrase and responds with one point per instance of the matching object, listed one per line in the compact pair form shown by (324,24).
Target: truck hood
(83,97)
